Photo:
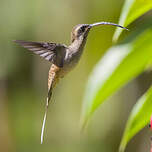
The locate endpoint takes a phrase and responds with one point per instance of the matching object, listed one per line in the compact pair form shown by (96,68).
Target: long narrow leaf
(132,9)
(120,64)
(139,118)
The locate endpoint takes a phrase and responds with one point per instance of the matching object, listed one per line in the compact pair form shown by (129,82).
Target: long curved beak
(107,23)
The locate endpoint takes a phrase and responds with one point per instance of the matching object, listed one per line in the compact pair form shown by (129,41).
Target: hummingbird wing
(49,51)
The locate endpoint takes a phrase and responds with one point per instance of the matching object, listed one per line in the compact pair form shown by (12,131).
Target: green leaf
(132,9)
(139,118)
(120,64)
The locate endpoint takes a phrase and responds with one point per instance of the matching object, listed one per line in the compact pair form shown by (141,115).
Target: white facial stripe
(77,28)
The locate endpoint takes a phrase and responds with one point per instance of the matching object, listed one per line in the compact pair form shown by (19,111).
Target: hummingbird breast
(72,56)
(69,63)
(71,59)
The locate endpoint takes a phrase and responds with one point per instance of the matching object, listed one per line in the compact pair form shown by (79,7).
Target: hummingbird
(63,58)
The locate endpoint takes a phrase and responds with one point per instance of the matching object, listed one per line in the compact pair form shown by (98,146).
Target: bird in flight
(63,58)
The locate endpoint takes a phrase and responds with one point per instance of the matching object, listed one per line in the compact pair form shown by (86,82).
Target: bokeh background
(23,80)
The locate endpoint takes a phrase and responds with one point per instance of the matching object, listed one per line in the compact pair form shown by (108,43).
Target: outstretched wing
(46,50)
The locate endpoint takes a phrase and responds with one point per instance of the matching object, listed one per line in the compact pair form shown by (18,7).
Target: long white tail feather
(44,120)
(51,83)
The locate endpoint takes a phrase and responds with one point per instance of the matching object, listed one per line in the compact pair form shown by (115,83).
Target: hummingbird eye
(82,28)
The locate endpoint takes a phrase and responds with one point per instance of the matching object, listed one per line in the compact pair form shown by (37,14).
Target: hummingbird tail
(44,119)
(46,110)
(52,80)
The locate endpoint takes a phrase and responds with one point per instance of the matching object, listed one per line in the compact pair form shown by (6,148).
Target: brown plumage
(63,58)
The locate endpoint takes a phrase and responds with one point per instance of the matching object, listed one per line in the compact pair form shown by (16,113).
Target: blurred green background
(23,80)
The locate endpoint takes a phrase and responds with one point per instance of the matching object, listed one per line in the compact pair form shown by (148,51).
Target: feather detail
(49,51)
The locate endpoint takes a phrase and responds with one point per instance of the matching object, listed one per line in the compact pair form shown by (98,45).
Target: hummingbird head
(81,31)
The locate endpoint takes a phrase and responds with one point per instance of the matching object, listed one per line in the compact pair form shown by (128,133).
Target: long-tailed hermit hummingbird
(63,58)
